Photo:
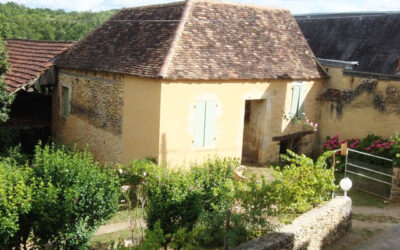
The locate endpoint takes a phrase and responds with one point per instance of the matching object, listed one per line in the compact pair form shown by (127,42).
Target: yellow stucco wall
(178,117)
(141,118)
(121,118)
(95,118)
(361,116)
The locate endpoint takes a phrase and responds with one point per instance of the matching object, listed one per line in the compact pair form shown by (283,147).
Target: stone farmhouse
(184,81)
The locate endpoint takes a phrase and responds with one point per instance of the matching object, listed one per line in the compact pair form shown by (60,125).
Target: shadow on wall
(163,149)
(271,132)
(296,134)
(262,119)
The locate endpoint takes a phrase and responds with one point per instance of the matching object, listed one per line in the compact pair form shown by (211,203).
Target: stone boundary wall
(395,192)
(315,229)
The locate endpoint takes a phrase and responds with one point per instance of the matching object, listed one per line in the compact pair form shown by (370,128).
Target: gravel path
(387,240)
(373,229)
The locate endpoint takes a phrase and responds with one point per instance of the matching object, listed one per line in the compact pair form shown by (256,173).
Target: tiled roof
(29,59)
(372,39)
(197,39)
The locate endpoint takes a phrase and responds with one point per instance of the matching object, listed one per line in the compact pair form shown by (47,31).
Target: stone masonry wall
(95,118)
(395,193)
(315,229)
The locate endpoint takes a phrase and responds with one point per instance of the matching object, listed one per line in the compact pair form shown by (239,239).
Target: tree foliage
(18,21)
(5,98)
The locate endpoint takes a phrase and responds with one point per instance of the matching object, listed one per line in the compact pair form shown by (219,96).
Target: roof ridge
(38,41)
(178,32)
(254,6)
(155,5)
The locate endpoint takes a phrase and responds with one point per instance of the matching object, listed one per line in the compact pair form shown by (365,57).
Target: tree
(6,98)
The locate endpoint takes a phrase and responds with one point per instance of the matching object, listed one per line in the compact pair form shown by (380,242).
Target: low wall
(395,192)
(315,229)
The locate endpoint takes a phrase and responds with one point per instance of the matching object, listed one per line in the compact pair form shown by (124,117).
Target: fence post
(395,192)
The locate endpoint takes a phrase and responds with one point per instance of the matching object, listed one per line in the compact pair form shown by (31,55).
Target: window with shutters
(65,100)
(204,134)
(298,98)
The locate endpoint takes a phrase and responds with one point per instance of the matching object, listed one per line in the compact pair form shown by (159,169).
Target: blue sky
(296,6)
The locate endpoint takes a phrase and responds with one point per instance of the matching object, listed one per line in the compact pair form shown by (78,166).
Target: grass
(122,215)
(376,218)
(258,171)
(99,241)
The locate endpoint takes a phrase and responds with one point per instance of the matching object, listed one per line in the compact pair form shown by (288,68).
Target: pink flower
(372,145)
(387,147)
(368,148)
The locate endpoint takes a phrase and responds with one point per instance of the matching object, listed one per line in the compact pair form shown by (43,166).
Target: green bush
(15,199)
(176,198)
(302,184)
(205,206)
(73,196)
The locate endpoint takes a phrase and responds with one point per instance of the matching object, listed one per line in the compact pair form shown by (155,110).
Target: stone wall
(395,193)
(95,117)
(315,229)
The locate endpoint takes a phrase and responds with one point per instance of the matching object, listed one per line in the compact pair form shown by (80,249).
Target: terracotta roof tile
(29,59)
(197,40)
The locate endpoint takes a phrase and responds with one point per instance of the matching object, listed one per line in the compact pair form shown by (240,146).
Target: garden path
(111,228)
(373,228)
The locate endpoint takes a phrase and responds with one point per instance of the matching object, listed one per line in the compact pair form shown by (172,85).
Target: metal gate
(370,173)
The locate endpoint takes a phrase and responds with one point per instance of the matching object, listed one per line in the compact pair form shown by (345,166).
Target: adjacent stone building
(361,54)
(31,79)
(184,81)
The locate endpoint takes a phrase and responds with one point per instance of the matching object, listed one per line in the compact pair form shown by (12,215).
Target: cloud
(296,6)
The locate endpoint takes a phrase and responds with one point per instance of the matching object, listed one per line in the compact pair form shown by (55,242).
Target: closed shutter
(209,136)
(303,93)
(295,101)
(200,111)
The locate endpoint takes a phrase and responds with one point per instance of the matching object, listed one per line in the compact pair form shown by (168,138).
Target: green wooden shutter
(66,101)
(200,113)
(209,136)
(302,97)
(295,101)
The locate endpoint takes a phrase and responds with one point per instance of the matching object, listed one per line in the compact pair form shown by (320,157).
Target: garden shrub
(176,198)
(302,184)
(73,196)
(15,200)
(205,206)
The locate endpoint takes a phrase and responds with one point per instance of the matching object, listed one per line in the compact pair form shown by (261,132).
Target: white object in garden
(345,184)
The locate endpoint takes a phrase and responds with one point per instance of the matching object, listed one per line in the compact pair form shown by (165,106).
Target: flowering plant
(311,124)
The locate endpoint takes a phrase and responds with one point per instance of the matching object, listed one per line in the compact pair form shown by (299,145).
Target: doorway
(253,131)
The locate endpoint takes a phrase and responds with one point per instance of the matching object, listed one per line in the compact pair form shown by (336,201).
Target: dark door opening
(292,144)
(253,131)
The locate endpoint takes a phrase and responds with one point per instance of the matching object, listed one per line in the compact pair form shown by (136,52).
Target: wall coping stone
(314,229)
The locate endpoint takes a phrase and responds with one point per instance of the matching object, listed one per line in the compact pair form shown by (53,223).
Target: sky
(295,6)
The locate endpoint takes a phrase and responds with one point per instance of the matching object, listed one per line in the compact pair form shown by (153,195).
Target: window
(205,123)
(298,97)
(65,100)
